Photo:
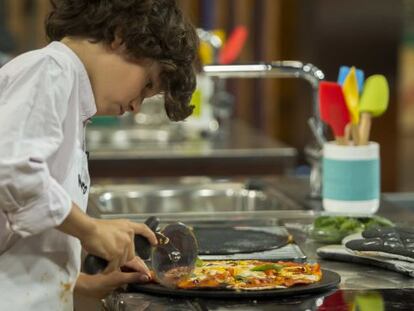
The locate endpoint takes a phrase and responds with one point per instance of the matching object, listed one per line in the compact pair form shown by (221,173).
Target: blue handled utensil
(344,71)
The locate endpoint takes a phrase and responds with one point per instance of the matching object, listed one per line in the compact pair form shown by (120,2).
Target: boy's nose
(134,104)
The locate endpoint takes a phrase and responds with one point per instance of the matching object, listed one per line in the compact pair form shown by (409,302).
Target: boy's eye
(149,85)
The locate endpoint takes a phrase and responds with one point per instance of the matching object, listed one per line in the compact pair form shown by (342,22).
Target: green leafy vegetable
(332,229)
(378,221)
(265,267)
(351,225)
(199,262)
(240,278)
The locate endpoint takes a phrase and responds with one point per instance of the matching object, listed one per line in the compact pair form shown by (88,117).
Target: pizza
(250,275)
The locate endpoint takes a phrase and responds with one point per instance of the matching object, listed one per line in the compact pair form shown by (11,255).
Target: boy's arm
(112,240)
(31,200)
(34,97)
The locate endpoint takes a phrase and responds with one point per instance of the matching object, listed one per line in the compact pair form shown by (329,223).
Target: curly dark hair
(155,29)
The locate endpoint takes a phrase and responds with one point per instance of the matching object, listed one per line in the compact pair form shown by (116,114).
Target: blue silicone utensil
(344,71)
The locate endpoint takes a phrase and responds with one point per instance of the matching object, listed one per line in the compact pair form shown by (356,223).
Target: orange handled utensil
(333,109)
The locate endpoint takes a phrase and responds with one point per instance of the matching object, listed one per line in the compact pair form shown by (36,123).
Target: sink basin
(176,200)
(124,138)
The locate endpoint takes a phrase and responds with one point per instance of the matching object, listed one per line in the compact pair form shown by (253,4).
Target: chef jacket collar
(87,104)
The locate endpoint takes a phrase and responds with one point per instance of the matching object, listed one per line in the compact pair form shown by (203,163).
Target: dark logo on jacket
(82,185)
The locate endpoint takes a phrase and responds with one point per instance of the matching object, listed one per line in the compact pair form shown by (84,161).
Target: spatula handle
(94,264)
(355,134)
(364,128)
(341,140)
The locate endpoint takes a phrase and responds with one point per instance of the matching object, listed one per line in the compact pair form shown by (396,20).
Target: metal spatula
(172,260)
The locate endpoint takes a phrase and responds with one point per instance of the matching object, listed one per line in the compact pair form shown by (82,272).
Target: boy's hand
(112,240)
(101,285)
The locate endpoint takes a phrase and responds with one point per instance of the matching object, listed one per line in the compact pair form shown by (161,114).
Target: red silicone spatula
(233,46)
(333,109)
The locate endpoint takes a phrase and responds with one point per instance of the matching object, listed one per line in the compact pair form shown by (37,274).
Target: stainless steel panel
(118,139)
(184,199)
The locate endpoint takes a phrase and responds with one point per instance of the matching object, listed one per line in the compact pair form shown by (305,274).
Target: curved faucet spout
(281,69)
(277,69)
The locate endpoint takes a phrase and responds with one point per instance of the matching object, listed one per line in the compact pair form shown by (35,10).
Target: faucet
(285,69)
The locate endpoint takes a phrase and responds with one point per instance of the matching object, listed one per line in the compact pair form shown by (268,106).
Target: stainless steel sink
(180,199)
(150,126)
(124,138)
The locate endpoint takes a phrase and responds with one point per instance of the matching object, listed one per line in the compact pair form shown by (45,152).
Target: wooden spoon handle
(364,128)
(355,134)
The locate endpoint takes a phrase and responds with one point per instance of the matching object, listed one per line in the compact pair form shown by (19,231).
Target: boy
(105,58)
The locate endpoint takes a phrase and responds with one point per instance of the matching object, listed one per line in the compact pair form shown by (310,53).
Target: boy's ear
(116,44)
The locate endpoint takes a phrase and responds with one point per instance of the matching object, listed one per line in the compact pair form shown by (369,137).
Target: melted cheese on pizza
(251,275)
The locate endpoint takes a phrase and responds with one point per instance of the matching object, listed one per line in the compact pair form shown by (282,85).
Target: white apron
(39,272)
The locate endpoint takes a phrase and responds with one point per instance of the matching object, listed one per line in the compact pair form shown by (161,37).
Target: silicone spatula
(233,46)
(333,109)
(351,93)
(344,71)
(369,302)
(374,102)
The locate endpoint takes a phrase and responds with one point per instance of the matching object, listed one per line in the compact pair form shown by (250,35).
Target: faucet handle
(317,131)
(313,154)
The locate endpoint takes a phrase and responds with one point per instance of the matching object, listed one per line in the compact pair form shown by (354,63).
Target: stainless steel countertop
(353,276)
(229,152)
(239,141)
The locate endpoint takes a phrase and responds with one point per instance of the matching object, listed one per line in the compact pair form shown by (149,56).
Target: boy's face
(122,84)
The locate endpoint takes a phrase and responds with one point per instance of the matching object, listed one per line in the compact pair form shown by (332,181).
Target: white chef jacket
(45,101)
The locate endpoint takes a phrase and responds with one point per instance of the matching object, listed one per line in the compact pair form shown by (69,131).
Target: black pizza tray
(329,281)
(223,240)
